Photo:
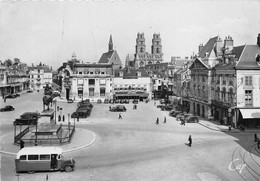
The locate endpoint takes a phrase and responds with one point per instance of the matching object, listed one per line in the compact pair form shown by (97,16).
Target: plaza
(135,148)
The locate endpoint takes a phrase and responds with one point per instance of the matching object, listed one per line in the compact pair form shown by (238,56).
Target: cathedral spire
(110,44)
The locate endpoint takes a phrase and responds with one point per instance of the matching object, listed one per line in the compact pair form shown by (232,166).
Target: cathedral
(143,58)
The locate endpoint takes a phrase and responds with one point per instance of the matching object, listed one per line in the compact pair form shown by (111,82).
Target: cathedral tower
(140,44)
(156,44)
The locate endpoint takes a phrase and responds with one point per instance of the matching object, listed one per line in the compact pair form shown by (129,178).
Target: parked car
(166,107)
(126,101)
(118,108)
(192,119)
(7,108)
(185,116)
(70,100)
(135,101)
(17,95)
(30,115)
(159,106)
(106,101)
(99,101)
(111,101)
(84,103)
(11,96)
(180,116)
(121,101)
(174,113)
(116,101)
(29,91)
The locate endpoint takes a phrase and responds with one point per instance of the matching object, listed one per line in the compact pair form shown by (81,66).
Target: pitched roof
(131,73)
(247,59)
(106,57)
(208,47)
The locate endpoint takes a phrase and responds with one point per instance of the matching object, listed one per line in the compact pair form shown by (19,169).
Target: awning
(250,113)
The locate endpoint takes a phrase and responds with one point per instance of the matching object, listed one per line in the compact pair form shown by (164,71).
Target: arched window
(230,96)
(223,94)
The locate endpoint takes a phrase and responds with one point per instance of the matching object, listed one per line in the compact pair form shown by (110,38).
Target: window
(80,92)
(248,80)
(102,91)
(91,81)
(23,157)
(248,97)
(33,157)
(80,72)
(45,157)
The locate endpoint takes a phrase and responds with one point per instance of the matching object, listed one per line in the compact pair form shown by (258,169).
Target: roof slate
(106,57)
(208,47)
(248,58)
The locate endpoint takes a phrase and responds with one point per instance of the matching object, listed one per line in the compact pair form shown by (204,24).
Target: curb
(66,151)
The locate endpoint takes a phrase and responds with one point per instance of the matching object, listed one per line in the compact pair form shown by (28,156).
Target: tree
(16,61)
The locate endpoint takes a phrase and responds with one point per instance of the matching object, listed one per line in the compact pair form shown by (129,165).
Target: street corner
(82,138)
(7,145)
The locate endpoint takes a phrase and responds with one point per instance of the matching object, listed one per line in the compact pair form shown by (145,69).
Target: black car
(30,91)
(106,101)
(7,108)
(174,113)
(126,101)
(121,101)
(11,96)
(118,108)
(135,101)
(70,101)
(99,101)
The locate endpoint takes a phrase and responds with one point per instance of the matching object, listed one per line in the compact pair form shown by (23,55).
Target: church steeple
(110,44)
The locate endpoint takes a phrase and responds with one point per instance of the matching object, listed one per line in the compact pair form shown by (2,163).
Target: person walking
(255,137)
(157,121)
(119,117)
(164,119)
(21,144)
(258,143)
(5,99)
(59,118)
(63,118)
(190,141)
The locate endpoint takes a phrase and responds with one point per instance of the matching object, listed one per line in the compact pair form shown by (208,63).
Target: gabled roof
(106,57)
(200,62)
(247,59)
(208,47)
(131,73)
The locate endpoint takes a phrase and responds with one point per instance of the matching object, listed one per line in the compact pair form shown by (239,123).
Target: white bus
(39,158)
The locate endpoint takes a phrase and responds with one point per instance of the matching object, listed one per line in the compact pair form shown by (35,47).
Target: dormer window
(257,59)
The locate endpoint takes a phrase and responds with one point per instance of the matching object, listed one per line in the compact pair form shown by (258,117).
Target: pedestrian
(164,119)
(59,118)
(63,118)
(258,143)
(154,103)
(157,121)
(21,144)
(190,141)
(5,100)
(255,137)
(3,95)
(119,117)
(109,108)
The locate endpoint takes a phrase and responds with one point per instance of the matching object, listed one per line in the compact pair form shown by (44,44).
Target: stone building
(82,81)
(142,57)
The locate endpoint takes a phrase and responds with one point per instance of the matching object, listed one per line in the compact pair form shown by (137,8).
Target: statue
(47,98)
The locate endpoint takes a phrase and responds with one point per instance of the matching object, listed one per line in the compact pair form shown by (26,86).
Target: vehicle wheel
(68,168)
(31,171)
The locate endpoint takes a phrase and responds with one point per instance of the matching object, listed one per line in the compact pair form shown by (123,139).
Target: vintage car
(106,101)
(126,101)
(174,113)
(118,108)
(70,101)
(191,119)
(7,108)
(99,101)
(135,101)
(11,96)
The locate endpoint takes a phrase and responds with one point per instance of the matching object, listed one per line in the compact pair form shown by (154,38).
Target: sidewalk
(216,126)
(82,138)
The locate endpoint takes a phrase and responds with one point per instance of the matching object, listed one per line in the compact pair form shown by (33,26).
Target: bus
(41,158)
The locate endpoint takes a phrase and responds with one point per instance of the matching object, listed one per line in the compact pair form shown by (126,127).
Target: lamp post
(55,113)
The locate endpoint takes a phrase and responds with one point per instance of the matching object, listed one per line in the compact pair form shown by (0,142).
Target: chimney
(228,43)
(200,47)
(258,40)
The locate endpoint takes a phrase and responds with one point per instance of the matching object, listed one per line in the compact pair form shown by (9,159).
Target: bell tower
(140,44)
(156,44)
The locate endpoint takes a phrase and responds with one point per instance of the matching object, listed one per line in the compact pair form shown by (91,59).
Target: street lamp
(55,103)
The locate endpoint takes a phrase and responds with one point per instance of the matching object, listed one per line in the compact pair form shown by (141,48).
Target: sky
(50,31)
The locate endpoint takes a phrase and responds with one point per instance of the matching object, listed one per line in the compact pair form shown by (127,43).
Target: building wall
(242,87)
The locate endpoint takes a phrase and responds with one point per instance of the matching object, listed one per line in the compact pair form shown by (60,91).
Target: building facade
(87,81)
(132,84)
